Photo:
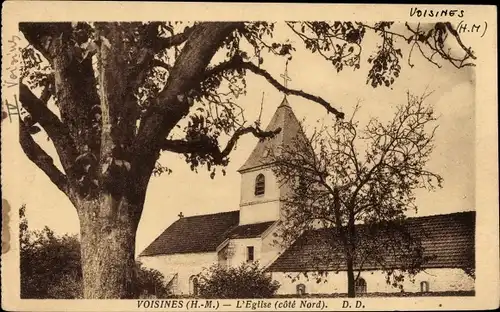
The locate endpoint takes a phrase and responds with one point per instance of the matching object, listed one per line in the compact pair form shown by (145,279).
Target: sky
(193,194)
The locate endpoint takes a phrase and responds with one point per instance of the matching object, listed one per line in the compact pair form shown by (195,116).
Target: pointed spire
(284,103)
(285,119)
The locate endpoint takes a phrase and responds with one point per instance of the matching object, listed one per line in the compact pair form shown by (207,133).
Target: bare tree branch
(174,40)
(204,41)
(238,63)
(48,90)
(138,73)
(41,159)
(434,40)
(40,35)
(329,185)
(158,63)
(206,146)
(75,82)
(55,129)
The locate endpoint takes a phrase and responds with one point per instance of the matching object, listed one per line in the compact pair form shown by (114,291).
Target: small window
(250,254)
(424,286)
(360,286)
(195,286)
(301,289)
(260,184)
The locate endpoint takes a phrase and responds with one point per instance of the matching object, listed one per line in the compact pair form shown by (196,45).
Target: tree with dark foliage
(125,92)
(246,281)
(345,174)
(51,268)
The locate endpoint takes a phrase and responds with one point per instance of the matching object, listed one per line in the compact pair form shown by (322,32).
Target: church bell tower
(261,192)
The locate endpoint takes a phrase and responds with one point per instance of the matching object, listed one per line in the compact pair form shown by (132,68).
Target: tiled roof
(203,233)
(447,239)
(291,130)
(194,234)
(249,230)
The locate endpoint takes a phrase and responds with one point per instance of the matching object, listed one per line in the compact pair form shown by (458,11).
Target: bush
(245,281)
(50,267)
(151,283)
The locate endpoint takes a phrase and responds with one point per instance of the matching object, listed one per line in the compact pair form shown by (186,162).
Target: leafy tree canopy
(150,51)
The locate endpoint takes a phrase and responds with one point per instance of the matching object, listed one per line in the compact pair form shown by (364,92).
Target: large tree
(50,266)
(346,174)
(125,92)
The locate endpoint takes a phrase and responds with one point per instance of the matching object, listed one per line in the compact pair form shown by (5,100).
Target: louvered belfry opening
(260,185)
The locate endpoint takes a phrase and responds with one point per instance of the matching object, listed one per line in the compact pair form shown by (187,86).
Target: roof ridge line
(442,214)
(407,218)
(209,214)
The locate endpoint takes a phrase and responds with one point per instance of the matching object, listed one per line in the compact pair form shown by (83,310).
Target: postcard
(249,157)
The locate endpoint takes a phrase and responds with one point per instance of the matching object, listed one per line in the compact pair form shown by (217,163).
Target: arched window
(360,286)
(301,289)
(260,184)
(194,286)
(424,286)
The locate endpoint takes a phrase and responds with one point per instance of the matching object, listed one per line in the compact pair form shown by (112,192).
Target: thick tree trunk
(108,167)
(351,290)
(108,231)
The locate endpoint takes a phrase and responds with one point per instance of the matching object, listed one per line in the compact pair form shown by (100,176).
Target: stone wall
(184,265)
(447,279)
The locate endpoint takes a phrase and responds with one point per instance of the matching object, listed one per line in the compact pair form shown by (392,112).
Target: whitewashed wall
(270,250)
(260,208)
(263,251)
(238,250)
(185,265)
(438,279)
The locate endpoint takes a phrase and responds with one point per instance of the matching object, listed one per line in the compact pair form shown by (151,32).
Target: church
(230,238)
